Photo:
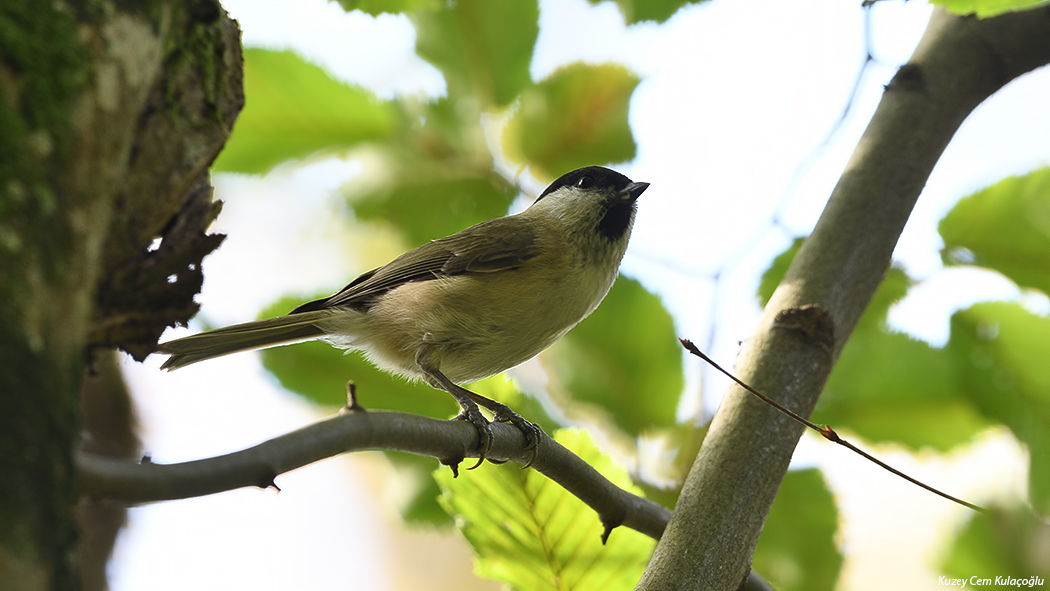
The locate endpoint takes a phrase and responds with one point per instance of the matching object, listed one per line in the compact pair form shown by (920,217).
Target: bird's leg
(469,401)
(470,411)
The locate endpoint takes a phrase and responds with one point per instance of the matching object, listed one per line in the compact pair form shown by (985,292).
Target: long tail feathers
(241,337)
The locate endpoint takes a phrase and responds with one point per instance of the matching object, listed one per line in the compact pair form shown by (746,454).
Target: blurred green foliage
(295,110)
(575,117)
(797,550)
(1005,227)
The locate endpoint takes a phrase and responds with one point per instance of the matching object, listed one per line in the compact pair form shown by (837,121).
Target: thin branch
(448,441)
(826,431)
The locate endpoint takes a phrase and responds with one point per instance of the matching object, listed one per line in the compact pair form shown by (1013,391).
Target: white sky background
(736,96)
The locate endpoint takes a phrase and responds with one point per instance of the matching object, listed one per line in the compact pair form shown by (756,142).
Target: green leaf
(887,386)
(429,203)
(1005,227)
(530,534)
(624,358)
(294,109)
(574,118)
(1005,371)
(988,8)
(797,548)
(483,48)
(772,276)
(635,11)
(1000,543)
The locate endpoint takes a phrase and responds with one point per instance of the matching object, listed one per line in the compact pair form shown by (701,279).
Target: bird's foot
(503,414)
(484,428)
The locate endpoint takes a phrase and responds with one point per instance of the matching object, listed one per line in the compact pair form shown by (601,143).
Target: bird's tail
(242,337)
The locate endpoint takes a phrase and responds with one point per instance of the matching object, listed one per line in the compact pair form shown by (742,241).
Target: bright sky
(731,119)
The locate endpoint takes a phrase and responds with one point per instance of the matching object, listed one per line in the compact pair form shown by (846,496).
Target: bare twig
(826,431)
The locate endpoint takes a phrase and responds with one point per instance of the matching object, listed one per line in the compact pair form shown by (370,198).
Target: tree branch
(959,63)
(448,441)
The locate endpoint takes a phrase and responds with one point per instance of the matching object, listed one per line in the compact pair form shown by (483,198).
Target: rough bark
(109,118)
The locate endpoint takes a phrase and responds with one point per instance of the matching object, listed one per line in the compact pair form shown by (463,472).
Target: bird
(470,305)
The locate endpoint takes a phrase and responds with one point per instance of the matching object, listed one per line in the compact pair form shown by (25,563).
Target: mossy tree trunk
(109,117)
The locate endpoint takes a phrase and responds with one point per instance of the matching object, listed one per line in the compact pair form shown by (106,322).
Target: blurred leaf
(624,358)
(447,134)
(1004,368)
(483,48)
(422,507)
(294,109)
(887,386)
(684,441)
(574,118)
(319,372)
(378,7)
(797,548)
(998,543)
(529,533)
(772,276)
(1005,227)
(988,8)
(649,10)
(426,205)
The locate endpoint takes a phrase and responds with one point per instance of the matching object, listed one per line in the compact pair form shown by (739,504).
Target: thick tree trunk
(108,122)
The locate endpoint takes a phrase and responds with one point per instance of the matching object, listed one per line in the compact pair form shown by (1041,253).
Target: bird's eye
(584,182)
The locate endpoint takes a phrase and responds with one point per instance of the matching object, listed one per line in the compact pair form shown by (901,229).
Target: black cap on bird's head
(618,195)
(596,177)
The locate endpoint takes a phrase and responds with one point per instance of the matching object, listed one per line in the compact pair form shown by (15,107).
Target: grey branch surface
(958,64)
(448,441)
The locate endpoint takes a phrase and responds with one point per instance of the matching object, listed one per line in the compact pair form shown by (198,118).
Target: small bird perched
(470,305)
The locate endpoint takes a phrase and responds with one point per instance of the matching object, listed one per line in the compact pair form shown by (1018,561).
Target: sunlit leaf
(293,109)
(887,386)
(1007,375)
(1011,543)
(624,358)
(988,8)
(574,118)
(1005,227)
(649,10)
(530,534)
(797,548)
(483,48)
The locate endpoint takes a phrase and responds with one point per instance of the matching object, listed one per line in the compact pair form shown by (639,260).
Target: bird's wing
(488,247)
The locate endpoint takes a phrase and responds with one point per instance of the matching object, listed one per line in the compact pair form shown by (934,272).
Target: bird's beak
(632,191)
